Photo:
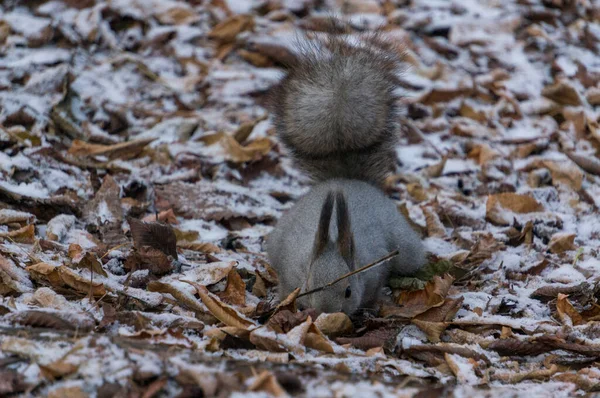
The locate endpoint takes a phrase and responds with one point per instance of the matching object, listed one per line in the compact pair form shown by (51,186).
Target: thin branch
(357,271)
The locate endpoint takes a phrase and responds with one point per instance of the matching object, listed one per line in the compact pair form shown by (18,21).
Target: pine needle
(357,271)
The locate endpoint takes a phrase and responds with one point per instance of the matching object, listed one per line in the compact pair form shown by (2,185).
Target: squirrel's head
(333,257)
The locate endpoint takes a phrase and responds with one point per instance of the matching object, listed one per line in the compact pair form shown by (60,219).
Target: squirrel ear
(345,238)
(322,235)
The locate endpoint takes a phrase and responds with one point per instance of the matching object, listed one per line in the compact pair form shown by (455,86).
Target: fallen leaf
(202,247)
(13,278)
(223,312)
(235,290)
(334,325)
(500,207)
(227,30)
(267,382)
(463,368)
(435,228)
(154,234)
(562,242)
(413,303)
(566,313)
(8,216)
(562,92)
(124,150)
(25,234)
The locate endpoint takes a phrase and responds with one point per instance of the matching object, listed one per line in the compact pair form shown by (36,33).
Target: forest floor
(120,110)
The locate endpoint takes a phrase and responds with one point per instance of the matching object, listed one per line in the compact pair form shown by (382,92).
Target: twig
(358,271)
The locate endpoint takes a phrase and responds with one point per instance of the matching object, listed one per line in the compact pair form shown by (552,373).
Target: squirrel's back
(336,108)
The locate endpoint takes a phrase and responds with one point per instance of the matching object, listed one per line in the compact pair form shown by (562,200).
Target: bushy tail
(336,108)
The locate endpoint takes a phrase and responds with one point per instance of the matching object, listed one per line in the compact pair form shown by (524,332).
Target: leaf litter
(139,177)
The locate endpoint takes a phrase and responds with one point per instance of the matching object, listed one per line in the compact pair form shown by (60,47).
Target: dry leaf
(562,92)
(25,234)
(235,290)
(13,278)
(567,314)
(226,31)
(259,289)
(202,247)
(463,368)
(8,216)
(154,234)
(124,150)
(435,228)
(267,382)
(334,325)
(413,303)
(433,330)
(223,312)
(562,242)
(500,207)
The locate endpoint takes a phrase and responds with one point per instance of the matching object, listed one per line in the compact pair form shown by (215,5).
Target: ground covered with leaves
(121,111)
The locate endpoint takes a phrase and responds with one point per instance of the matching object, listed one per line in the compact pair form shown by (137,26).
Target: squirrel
(336,112)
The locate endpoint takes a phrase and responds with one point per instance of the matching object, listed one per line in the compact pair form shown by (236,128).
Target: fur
(336,109)
(376,228)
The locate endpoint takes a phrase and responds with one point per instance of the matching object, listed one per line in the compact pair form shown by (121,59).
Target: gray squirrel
(336,112)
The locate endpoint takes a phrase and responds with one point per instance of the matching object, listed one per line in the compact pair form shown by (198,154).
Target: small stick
(358,271)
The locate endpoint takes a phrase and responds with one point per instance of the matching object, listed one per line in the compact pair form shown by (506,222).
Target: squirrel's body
(378,229)
(336,112)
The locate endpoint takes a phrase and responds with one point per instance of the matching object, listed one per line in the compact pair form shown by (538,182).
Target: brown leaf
(549,292)
(59,276)
(334,325)
(435,228)
(235,152)
(259,289)
(316,340)
(51,319)
(562,242)
(79,283)
(11,382)
(202,247)
(483,154)
(149,258)
(413,303)
(267,382)
(463,368)
(235,290)
(154,234)
(500,207)
(25,234)
(124,150)
(214,201)
(444,313)
(226,31)
(165,216)
(85,260)
(183,297)
(285,320)
(516,347)
(587,163)
(562,92)
(13,278)
(538,374)
(276,51)
(223,312)
(433,330)
(566,313)
(383,337)
(8,216)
